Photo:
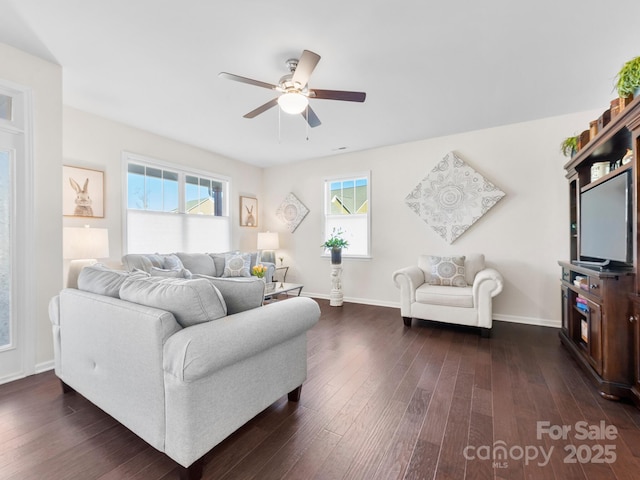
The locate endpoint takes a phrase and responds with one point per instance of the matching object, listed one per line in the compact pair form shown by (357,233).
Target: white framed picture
(82,192)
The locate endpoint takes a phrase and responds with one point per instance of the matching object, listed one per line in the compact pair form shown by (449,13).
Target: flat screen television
(606,222)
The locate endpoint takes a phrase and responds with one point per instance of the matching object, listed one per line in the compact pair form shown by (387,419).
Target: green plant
(335,240)
(569,146)
(628,78)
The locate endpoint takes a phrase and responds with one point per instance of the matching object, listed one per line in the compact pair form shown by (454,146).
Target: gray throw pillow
(237,265)
(447,271)
(190,301)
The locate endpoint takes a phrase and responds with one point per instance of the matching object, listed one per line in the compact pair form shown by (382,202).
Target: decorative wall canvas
(291,212)
(248,212)
(452,197)
(82,192)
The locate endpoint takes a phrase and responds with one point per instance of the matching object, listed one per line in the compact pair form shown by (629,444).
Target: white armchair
(456,290)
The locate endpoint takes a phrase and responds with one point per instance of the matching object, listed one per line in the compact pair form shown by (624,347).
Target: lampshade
(85,242)
(293,102)
(268,241)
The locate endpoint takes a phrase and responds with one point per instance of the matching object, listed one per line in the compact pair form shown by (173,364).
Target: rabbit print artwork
(83,200)
(251,220)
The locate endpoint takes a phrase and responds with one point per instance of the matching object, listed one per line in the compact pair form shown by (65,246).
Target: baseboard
(542,322)
(45,366)
(364,301)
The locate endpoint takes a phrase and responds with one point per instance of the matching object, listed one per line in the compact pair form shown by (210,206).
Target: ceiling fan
(294,89)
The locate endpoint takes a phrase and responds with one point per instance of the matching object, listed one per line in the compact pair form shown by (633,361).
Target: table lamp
(83,245)
(267,244)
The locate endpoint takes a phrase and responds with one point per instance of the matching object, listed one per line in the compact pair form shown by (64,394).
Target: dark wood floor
(381,402)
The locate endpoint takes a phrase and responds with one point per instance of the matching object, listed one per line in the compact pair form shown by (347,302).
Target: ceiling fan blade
(250,81)
(306,65)
(338,95)
(262,108)
(311,117)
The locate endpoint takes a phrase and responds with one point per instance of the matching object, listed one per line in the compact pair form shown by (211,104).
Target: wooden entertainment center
(601,305)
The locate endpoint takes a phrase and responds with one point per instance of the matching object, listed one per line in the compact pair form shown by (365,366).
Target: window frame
(327,215)
(182,171)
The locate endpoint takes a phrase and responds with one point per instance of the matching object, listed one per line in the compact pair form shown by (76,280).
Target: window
(171,209)
(347,208)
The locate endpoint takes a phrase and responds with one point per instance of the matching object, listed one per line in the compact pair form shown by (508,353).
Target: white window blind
(171,209)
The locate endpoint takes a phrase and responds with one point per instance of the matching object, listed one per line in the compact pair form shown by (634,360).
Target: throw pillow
(447,271)
(190,301)
(237,265)
(172,262)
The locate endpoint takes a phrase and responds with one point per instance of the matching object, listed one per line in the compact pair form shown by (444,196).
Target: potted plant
(336,243)
(569,146)
(628,79)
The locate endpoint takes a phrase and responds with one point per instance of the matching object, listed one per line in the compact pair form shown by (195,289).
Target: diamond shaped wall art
(452,197)
(291,212)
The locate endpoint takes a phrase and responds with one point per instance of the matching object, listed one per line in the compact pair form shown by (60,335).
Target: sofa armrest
(408,279)
(198,351)
(271,271)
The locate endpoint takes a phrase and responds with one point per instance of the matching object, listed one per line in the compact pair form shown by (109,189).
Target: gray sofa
(187,264)
(184,374)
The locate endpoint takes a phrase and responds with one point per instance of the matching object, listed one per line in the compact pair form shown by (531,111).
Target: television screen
(605,221)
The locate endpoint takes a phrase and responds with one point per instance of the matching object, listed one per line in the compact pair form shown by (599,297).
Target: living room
(523,236)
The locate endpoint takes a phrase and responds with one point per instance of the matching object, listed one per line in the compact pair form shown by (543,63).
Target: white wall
(45,81)
(95,142)
(523,236)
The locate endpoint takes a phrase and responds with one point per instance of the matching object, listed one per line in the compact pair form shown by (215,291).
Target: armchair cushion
(445,295)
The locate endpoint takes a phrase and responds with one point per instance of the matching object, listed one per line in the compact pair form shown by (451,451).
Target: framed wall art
(82,192)
(291,212)
(452,197)
(248,212)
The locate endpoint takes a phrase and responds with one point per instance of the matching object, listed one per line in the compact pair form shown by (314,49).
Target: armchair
(455,290)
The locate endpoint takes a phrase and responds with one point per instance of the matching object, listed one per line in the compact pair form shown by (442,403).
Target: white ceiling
(429,68)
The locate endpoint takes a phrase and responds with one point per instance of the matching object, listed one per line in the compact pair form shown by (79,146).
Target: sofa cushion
(218,261)
(103,280)
(445,271)
(190,301)
(237,265)
(446,296)
(200,263)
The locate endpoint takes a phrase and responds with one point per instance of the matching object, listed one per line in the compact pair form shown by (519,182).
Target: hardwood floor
(382,401)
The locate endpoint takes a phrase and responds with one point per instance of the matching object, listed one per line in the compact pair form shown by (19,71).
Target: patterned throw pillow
(237,265)
(447,271)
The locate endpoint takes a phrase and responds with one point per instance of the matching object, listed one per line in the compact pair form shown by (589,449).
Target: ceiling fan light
(293,102)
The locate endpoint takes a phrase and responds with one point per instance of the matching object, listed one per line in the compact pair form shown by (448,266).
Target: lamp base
(75,266)
(268,256)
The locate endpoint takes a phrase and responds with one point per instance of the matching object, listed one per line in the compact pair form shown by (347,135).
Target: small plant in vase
(336,243)
(259,270)
(569,146)
(628,79)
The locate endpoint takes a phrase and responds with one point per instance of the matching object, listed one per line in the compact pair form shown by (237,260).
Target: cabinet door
(635,332)
(566,305)
(595,336)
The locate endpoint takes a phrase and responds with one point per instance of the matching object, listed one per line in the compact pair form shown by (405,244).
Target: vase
(336,255)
